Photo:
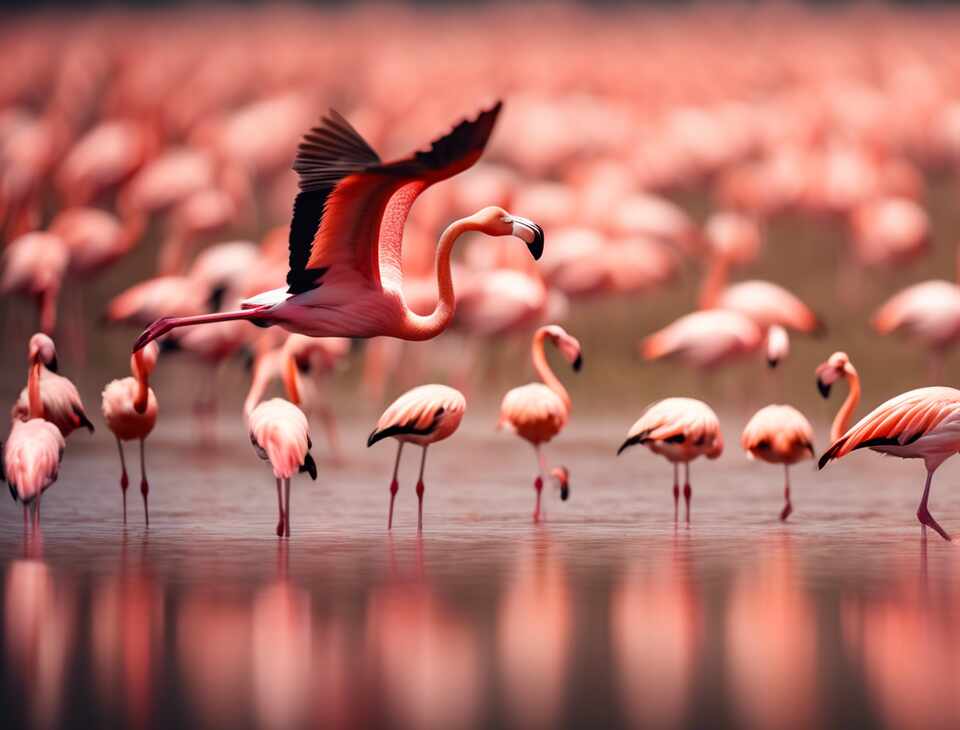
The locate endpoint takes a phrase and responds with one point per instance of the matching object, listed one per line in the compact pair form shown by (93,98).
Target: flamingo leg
(787,505)
(394,485)
(676,491)
(923,514)
(423,462)
(144,485)
(165,324)
(286,505)
(687,491)
(124,482)
(280,528)
(26,517)
(538,484)
(36,513)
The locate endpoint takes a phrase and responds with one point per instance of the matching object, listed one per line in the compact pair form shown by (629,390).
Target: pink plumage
(705,339)
(779,434)
(280,434)
(31,457)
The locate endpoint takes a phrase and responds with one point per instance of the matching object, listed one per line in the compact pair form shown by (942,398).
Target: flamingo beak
(530,233)
(564,491)
(824,388)
(53,365)
(578,363)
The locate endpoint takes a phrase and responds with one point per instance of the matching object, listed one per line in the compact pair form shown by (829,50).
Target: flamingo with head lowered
(345,277)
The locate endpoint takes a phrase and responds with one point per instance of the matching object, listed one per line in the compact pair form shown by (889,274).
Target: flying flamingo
(537,412)
(33,266)
(32,453)
(779,434)
(61,400)
(838,366)
(344,278)
(130,409)
(920,424)
(680,430)
(280,434)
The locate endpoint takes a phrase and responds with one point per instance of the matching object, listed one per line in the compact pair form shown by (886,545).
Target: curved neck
(842,421)
(543,369)
(261,377)
(33,391)
(142,375)
(714,281)
(290,383)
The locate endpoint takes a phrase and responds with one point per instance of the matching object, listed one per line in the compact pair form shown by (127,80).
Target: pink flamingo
(838,366)
(779,434)
(537,412)
(345,279)
(34,265)
(130,409)
(32,453)
(920,424)
(680,430)
(95,238)
(421,416)
(61,401)
(280,434)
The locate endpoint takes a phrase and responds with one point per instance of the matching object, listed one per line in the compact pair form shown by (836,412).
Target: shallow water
(604,616)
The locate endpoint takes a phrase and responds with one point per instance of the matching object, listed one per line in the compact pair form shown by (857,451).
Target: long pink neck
(261,377)
(842,420)
(33,391)
(543,369)
(714,282)
(143,382)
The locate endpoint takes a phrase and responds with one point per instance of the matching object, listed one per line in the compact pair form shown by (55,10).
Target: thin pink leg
(144,485)
(923,514)
(423,461)
(676,492)
(538,512)
(124,482)
(538,487)
(394,486)
(280,528)
(787,506)
(286,505)
(687,491)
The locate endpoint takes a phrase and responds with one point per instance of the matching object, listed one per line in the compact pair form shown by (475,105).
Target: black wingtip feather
(830,453)
(84,421)
(632,441)
(309,466)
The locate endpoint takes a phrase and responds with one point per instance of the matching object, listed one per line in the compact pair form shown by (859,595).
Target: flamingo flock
(141,147)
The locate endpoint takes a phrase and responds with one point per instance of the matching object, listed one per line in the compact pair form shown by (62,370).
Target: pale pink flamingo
(61,401)
(834,368)
(345,281)
(920,424)
(32,452)
(280,434)
(421,416)
(130,410)
(537,412)
(34,265)
(680,430)
(144,302)
(889,231)
(201,214)
(95,238)
(779,434)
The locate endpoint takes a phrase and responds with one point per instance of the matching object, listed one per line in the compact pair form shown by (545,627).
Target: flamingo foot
(926,519)
(538,486)
(787,506)
(394,487)
(420,506)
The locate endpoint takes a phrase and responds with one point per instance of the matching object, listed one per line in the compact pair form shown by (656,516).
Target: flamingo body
(768,304)
(31,458)
(706,338)
(122,418)
(280,434)
(62,405)
(533,412)
(778,434)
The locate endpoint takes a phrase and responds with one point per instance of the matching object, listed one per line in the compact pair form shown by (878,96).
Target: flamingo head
(562,476)
(495,221)
(568,345)
(42,350)
(832,369)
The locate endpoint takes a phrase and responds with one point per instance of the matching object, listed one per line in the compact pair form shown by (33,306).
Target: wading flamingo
(421,416)
(34,265)
(345,278)
(779,434)
(32,453)
(838,366)
(680,430)
(130,410)
(920,424)
(538,411)
(279,433)
(61,400)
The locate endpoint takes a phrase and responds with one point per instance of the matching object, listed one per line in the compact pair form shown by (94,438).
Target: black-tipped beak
(531,233)
(824,388)
(53,366)
(564,492)
(772,362)
(578,363)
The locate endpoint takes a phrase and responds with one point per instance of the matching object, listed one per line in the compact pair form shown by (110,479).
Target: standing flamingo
(33,266)
(32,453)
(280,434)
(421,416)
(537,412)
(60,398)
(779,434)
(920,424)
(680,430)
(838,366)
(345,278)
(130,409)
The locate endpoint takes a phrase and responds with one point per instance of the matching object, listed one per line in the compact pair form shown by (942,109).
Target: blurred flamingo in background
(422,416)
(130,410)
(537,412)
(34,265)
(838,366)
(680,430)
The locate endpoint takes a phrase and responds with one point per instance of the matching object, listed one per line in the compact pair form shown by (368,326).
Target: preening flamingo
(421,416)
(130,410)
(834,368)
(32,453)
(60,398)
(345,237)
(920,424)
(280,434)
(680,430)
(779,434)
(537,412)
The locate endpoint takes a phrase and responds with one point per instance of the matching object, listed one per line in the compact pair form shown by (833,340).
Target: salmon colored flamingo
(32,453)
(537,412)
(779,434)
(680,430)
(34,265)
(836,367)
(94,238)
(421,416)
(345,278)
(130,410)
(60,398)
(279,433)
(920,424)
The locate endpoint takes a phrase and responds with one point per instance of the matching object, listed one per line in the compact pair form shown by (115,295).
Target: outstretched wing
(346,192)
